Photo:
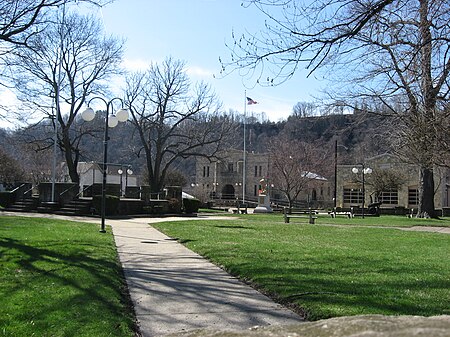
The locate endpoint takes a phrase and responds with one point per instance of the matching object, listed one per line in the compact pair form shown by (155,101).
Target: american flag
(250,101)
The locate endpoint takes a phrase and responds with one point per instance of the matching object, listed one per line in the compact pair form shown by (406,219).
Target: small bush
(191,205)
(6,199)
(174,205)
(111,206)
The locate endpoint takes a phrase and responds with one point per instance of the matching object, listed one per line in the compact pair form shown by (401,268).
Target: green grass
(60,278)
(385,221)
(328,271)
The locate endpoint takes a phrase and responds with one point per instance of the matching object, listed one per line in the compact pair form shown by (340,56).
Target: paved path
(174,289)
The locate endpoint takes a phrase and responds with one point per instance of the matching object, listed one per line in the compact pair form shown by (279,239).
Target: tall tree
(65,64)
(393,51)
(21,20)
(10,170)
(174,119)
(293,166)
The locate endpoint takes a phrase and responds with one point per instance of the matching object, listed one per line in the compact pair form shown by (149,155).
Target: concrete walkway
(175,290)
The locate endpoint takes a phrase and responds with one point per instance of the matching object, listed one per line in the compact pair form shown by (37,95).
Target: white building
(117,174)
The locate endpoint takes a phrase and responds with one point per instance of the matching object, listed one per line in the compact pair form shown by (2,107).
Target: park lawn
(385,221)
(61,278)
(381,221)
(328,271)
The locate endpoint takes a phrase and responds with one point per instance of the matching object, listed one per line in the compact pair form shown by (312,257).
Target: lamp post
(120,171)
(110,121)
(128,172)
(364,171)
(238,184)
(335,172)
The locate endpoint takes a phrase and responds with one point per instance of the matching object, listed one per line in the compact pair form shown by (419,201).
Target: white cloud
(197,71)
(136,65)
(7,97)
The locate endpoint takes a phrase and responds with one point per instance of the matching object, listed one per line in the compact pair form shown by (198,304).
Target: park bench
(373,210)
(241,208)
(335,213)
(290,213)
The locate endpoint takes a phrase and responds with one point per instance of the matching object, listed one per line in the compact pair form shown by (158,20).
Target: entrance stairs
(24,205)
(76,207)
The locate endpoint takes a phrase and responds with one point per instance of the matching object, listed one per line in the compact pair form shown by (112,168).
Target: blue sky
(196,31)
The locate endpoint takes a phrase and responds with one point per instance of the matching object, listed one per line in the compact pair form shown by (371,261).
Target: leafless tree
(10,170)
(383,180)
(293,165)
(65,64)
(174,119)
(392,51)
(23,19)
(304,109)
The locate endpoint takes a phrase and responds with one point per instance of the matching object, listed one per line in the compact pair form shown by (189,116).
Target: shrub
(174,205)
(6,199)
(111,206)
(191,205)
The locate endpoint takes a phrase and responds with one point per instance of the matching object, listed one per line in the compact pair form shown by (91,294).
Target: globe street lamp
(127,172)
(110,121)
(364,171)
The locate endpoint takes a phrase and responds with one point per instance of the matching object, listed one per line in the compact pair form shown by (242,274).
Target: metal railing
(83,190)
(68,189)
(19,194)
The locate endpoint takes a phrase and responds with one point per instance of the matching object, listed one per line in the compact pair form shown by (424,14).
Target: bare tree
(293,166)
(173,119)
(393,51)
(65,64)
(304,109)
(383,180)
(10,170)
(23,19)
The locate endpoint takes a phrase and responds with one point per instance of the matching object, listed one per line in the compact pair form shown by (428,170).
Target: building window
(258,171)
(205,171)
(413,196)
(352,196)
(389,197)
(230,167)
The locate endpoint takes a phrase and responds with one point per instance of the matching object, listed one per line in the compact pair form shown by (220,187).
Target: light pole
(120,171)
(238,184)
(335,172)
(110,121)
(364,171)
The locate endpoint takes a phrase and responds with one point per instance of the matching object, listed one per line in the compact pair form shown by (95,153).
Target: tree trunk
(70,162)
(426,194)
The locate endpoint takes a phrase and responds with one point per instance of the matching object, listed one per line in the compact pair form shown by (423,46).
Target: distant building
(224,180)
(349,184)
(118,174)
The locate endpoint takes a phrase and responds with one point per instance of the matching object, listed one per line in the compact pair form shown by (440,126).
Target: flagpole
(244,167)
